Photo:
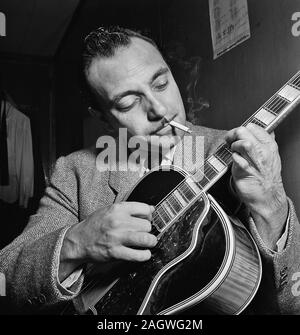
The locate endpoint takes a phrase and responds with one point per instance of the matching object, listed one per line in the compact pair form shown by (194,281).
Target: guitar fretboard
(268,116)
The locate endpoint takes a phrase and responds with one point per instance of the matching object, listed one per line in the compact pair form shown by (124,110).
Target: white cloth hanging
(20,158)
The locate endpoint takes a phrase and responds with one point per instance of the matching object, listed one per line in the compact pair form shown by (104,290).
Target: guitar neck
(278,106)
(268,116)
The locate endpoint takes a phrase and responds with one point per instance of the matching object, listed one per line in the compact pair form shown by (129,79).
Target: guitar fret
(265,116)
(192,184)
(209,169)
(290,93)
(276,104)
(164,215)
(224,154)
(158,221)
(189,193)
(209,172)
(216,163)
(186,191)
(202,183)
(201,177)
(175,203)
(258,122)
(295,86)
(180,199)
(295,82)
(169,207)
(182,194)
(270,111)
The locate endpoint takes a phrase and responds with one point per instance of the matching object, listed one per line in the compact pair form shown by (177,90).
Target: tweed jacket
(30,263)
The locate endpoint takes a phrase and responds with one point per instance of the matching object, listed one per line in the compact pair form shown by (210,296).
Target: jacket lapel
(122,182)
(184,157)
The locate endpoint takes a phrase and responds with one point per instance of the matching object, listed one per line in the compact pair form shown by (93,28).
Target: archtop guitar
(206,261)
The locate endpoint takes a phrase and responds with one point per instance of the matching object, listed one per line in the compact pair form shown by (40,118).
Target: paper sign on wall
(2,24)
(229,24)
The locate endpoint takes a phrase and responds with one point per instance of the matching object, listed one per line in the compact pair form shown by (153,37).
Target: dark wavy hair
(103,43)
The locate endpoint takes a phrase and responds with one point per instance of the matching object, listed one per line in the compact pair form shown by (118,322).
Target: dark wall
(69,109)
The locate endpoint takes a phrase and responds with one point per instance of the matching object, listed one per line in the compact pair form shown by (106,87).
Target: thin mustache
(165,122)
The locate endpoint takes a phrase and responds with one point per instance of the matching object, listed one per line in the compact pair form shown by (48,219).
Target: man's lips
(165,124)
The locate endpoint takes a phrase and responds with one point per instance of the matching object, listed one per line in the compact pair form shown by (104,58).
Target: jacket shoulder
(81,159)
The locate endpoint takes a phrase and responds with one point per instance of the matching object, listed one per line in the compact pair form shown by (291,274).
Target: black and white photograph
(149,162)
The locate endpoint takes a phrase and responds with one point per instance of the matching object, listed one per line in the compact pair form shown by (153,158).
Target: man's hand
(256,173)
(117,232)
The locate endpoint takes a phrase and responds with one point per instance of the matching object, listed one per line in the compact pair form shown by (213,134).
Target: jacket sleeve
(279,292)
(30,262)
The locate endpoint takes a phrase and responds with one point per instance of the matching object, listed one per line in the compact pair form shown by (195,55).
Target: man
(82,218)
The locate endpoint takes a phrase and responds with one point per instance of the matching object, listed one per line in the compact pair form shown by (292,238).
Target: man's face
(140,91)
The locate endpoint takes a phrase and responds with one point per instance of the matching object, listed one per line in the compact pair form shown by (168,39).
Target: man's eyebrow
(158,73)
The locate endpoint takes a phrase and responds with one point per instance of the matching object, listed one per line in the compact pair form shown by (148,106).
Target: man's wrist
(69,259)
(270,221)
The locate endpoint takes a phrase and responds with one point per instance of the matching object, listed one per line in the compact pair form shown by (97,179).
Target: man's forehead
(138,61)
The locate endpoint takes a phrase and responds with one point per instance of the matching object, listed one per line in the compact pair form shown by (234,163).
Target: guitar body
(204,263)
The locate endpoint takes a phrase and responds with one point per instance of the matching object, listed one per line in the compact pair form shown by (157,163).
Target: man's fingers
(240,133)
(251,132)
(242,147)
(139,209)
(245,149)
(240,162)
(260,133)
(139,239)
(138,224)
(128,254)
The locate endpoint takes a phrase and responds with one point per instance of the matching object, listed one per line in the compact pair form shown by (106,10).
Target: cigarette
(180,126)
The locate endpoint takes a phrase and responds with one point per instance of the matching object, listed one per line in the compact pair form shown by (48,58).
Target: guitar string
(296,81)
(280,103)
(273,108)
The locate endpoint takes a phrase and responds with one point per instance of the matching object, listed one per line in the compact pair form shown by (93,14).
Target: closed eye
(127,103)
(160,85)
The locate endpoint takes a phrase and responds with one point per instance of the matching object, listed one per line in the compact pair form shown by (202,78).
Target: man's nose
(157,109)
